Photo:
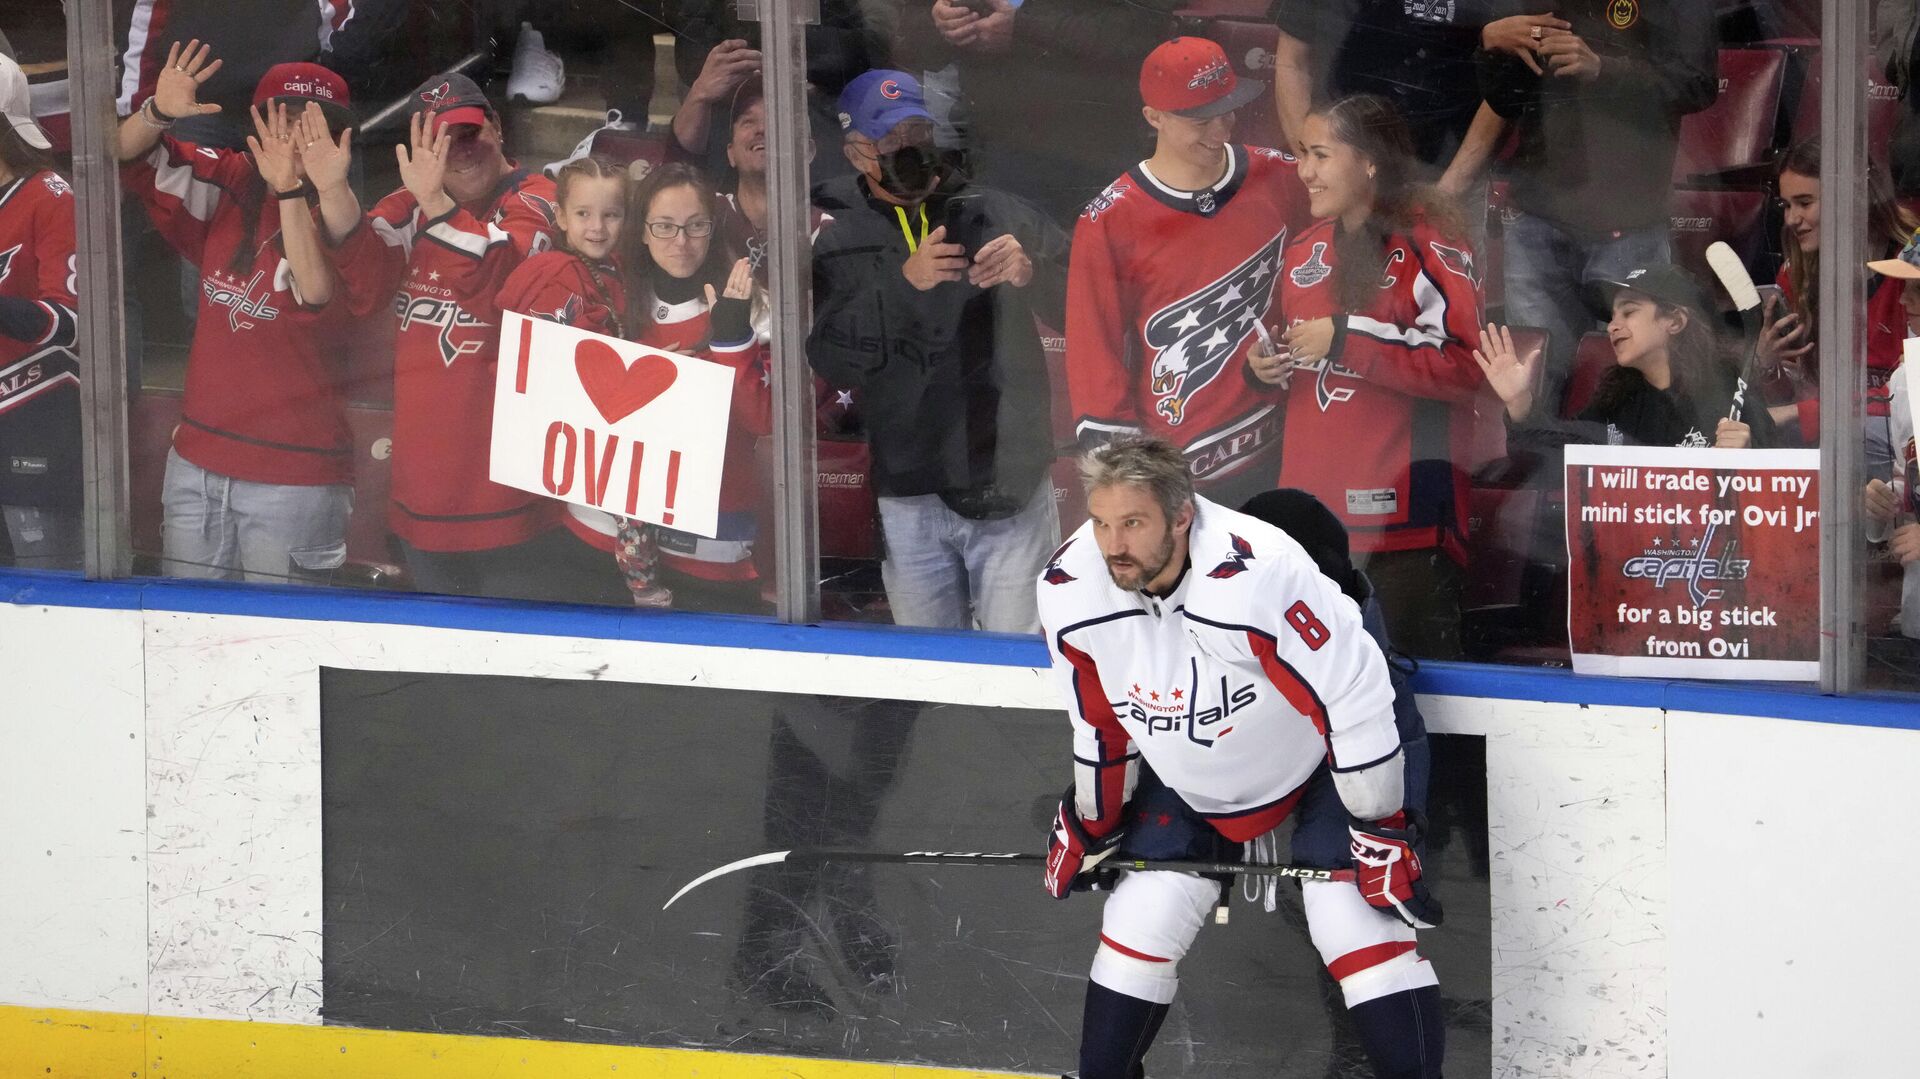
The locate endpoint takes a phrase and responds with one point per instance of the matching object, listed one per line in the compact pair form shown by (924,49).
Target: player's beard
(1135,580)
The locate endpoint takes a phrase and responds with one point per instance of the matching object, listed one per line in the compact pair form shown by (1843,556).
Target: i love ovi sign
(610,424)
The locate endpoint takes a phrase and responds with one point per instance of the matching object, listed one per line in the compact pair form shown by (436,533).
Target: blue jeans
(1549,280)
(217,527)
(953,572)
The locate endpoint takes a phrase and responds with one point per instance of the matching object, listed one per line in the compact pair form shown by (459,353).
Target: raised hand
(272,146)
(727,65)
(176,93)
(1509,373)
(423,163)
(1784,341)
(326,161)
(739,284)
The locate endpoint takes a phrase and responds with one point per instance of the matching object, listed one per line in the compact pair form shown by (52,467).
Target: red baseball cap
(306,82)
(1190,77)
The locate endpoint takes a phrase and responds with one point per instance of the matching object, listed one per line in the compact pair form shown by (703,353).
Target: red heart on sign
(616,389)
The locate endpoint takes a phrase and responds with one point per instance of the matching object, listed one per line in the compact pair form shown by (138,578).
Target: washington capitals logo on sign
(1054,574)
(1457,261)
(435,96)
(1195,336)
(1236,563)
(1314,270)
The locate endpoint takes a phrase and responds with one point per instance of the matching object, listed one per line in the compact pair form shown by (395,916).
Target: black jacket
(953,380)
(1627,410)
(1598,157)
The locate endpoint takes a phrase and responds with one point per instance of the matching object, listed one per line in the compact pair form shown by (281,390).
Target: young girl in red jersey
(1787,350)
(694,297)
(1384,300)
(580,283)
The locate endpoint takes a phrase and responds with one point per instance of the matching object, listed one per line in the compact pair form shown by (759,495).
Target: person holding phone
(938,339)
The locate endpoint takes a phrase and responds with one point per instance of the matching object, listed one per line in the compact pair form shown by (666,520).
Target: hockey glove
(1388,871)
(1072,850)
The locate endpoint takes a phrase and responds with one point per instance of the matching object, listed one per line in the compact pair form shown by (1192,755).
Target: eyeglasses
(667,230)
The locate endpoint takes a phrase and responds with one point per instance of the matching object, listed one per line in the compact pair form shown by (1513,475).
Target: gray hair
(1141,461)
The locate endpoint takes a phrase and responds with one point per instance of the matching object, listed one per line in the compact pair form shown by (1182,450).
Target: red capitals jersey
(442,277)
(1162,295)
(39,377)
(1886,328)
(265,398)
(1377,429)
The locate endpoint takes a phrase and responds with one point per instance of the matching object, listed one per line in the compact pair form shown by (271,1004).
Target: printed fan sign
(1694,563)
(606,423)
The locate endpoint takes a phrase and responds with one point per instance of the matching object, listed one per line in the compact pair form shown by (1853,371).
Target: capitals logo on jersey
(239,299)
(6,260)
(448,316)
(1456,261)
(1193,338)
(1054,574)
(1236,563)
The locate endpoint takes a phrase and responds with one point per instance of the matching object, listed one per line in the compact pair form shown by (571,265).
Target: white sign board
(609,424)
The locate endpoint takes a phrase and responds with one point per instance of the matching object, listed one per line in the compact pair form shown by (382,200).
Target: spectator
(581,284)
(1893,502)
(1598,106)
(438,250)
(1384,303)
(258,481)
(40,395)
(1787,345)
(1671,383)
(1158,344)
(743,218)
(924,301)
(1039,99)
(693,296)
(1420,57)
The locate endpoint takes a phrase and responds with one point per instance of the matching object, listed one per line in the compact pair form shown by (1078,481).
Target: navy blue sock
(1115,1033)
(1404,1034)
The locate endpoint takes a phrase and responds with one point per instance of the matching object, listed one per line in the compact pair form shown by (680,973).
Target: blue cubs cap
(877,101)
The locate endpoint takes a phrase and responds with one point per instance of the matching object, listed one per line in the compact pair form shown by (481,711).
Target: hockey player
(438,250)
(39,377)
(1201,652)
(1173,264)
(1383,297)
(258,480)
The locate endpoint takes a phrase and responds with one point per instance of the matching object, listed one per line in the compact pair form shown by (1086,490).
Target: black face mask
(910,172)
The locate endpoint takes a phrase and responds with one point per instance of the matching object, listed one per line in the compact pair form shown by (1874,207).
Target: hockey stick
(1746,299)
(936,857)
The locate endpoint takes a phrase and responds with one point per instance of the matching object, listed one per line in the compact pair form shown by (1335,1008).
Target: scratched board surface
(497,850)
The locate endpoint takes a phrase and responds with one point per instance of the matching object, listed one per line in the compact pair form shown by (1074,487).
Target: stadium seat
(1055,344)
(1593,358)
(1883,105)
(1737,130)
(1068,499)
(369,543)
(1699,217)
(849,517)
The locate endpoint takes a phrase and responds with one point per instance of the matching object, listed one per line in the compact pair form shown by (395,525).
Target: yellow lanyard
(913,245)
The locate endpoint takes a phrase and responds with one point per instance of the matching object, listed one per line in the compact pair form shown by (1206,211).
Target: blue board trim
(28,587)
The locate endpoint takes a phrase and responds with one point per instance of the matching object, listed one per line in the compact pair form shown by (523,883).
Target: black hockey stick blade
(939,857)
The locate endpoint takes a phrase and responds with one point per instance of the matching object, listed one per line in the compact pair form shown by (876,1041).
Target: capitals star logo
(1236,563)
(1193,338)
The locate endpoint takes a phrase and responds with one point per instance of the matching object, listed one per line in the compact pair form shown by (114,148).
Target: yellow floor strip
(39,1043)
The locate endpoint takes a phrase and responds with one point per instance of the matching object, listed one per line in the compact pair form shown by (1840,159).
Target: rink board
(162,812)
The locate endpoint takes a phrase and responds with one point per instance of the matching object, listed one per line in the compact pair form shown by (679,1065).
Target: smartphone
(964,221)
(978,7)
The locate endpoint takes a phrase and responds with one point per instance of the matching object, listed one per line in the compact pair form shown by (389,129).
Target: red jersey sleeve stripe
(1090,700)
(1291,686)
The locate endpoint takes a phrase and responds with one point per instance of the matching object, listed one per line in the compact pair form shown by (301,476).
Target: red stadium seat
(1249,46)
(1701,217)
(1737,130)
(849,517)
(368,541)
(1055,344)
(1068,498)
(1592,359)
(1883,106)
(1500,530)
(626,147)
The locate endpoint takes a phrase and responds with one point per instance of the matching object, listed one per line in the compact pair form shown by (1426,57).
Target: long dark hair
(1373,127)
(641,268)
(1888,226)
(21,159)
(1697,361)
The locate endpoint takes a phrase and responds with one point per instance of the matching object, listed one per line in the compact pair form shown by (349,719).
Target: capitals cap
(16,105)
(878,101)
(306,82)
(453,99)
(1191,77)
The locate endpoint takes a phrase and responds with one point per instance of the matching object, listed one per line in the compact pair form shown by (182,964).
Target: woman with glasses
(692,296)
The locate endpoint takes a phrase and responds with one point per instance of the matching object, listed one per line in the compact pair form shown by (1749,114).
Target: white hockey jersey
(1235,687)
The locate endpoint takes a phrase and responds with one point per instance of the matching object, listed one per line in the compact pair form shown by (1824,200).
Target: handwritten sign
(1694,563)
(606,423)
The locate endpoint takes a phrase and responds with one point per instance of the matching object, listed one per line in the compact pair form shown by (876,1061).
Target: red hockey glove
(1388,870)
(1072,850)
